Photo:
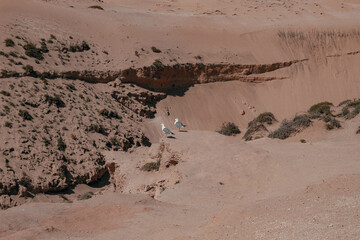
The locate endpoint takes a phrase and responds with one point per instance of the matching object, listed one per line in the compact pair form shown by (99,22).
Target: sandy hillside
(85,85)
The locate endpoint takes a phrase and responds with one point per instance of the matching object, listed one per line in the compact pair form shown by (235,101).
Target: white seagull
(166,130)
(178,124)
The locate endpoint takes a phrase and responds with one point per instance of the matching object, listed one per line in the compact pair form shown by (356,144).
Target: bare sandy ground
(208,186)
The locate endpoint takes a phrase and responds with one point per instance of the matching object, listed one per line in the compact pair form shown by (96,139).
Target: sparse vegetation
(109,114)
(302,140)
(5,93)
(25,115)
(73,136)
(55,100)
(351,109)
(70,87)
(26,182)
(96,7)
(266,117)
(32,51)
(85,196)
(157,65)
(288,128)
(9,42)
(8,124)
(358,131)
(61,144)
(151,166)
(318,109)
(84,46)
(98,129)
(331,122)
(229,129)
(155,50)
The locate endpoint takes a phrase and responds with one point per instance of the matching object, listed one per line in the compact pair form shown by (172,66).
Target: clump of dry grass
(229,129)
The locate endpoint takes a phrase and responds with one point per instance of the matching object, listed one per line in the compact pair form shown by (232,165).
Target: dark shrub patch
(25,115)
(266,117)
(157,65)
(8,124)
(151,166)
(26,182)
(32,51)
(70,87)
(61,144)
(252,130)
(289,128)
(9,42)
(358,131)
(352,109)
(55,100)
(5,93)
(29,71)
(79,47)
(98,129)
(109,114)
(155,50)
(322,108)
(96,7)
(302,140)
(85,196)
(229,129)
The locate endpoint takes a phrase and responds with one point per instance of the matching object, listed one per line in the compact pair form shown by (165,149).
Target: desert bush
(289,128)
(331,122)
(85,196)
(79,47)
(8,124)
(43,47)
(9,42)
(229,129)
(322,108)
(302,140)
(351,109)
(61,144)
(96,7)
(253,129)
(344,102)
(5,93)
(73,136)
(70,87)
(32,51)
(266,117)
(109,114)
(13,54)
(157,65)
(26,182)
(155,50)
(358,131)
(55,100)
(25,115)
(151,166)
(98,129)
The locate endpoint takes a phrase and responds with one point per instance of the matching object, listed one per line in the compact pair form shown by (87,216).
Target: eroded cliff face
(53,132)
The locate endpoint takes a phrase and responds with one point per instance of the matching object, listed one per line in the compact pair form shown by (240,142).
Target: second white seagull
(178,124)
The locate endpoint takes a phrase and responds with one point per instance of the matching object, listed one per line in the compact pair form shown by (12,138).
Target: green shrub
(61,144)
(288,128)
(32,51)
(25,115)
(252,130)
(155,50)
(229,129)
(302,140)
(351,109)
(9,42)
(151,166)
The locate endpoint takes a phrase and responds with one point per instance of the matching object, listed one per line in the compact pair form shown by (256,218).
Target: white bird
(166,130)
(178,124)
